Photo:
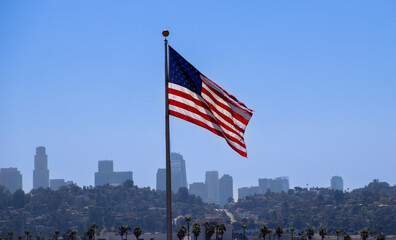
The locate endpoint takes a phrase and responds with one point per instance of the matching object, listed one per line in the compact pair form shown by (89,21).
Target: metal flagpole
(165,33)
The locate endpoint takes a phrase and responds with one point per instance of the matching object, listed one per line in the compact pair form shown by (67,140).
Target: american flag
(195,98)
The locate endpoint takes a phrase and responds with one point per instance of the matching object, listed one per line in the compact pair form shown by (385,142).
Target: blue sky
(86,80)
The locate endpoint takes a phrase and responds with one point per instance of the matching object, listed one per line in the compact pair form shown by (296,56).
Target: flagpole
(165,33)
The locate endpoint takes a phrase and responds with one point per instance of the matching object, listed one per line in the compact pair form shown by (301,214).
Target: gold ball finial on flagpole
(165,33)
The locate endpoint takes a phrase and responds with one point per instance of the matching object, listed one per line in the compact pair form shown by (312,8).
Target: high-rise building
(243,192)
(264,184)
(106,174)
(279,184)
(11,178)
(212,186)
(337,183)
(248,191)
(198,189)
(161,179)
(178,172)
(40,172)
(55,184)
(225,189)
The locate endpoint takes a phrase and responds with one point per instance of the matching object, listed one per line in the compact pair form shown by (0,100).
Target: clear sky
(85,79)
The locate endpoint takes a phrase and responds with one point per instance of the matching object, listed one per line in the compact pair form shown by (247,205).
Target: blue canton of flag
(195,98)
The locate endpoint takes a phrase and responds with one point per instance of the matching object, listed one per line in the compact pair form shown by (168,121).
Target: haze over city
(86,80)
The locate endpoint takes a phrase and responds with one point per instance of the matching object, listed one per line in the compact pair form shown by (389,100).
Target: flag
(195,98)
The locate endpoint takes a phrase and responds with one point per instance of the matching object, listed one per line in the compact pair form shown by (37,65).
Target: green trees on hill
(373,206)
(72,207)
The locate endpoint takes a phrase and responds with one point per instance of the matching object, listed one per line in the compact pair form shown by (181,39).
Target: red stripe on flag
(210,119)
(199,123)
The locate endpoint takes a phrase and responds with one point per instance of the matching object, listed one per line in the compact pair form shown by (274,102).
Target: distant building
(106,174)
(264,185)
(161,179)
(279,184)
(248,191)
(225,189)
(212,186)
(178,172)
(198,189)
(337,183)
(40,172)
(55,184)
(243,192)
(11,178)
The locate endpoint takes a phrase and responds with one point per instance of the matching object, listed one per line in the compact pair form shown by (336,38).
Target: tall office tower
(264,184)
(248,191)
(225,189)
(11,178)
(337,183)
(105,166)
(285,184)
(106,174)
(243,192)
(198,189)
(161,179)
(212,186)
(40,172)
(178,171)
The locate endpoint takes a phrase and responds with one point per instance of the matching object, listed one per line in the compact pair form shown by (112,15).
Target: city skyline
(213,188)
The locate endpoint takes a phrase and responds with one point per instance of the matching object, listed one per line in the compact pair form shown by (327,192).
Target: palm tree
(188,219)
(310,233)
(181,232)
(347,237)
(364,234)
(10,235)
(322,232)
(121,231)
(244,231)
(269,233)
(381,236)
(292,232)
(127,229)
(72,235)
(20,237)
(196,229)
(56,234)
(279,232)
(263,232)
(94,229)
(209,230)
(220,229)
(28,234)
(137,232)
(338,231)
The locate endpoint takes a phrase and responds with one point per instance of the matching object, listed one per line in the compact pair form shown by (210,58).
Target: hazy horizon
(86,80)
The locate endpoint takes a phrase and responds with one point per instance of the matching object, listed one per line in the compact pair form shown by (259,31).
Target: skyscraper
(198,189)
(279,184)
(225,189)
(106,174)
(161,179)
(264,184)
(178,172)
(40,172)
(337,183)
(212,186)
(11,178)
